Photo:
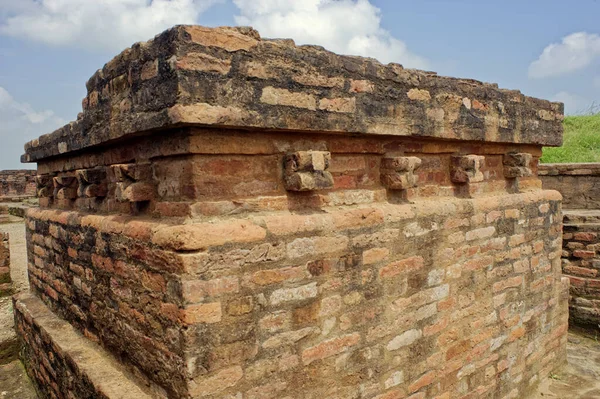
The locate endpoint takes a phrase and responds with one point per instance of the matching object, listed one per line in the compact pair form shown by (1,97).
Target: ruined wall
(581,263)
(5,281)
(17,183)
(296,257)
(579,183)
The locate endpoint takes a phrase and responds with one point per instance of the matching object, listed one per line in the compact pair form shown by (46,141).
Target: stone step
(61,360)
(581,216)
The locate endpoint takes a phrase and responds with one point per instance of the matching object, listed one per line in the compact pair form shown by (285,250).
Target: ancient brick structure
(579,183)
(237,217)
(580,188)
(5,281)
(17,184)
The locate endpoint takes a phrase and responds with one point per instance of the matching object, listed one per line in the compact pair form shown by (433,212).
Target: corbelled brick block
(398,173)
(307,171)
(517,165)
(467,169)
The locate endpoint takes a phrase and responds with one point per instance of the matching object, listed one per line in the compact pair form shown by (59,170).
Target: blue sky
(49,48)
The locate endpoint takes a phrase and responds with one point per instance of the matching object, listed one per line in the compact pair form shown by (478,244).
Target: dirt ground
(14,383)
(580,378)
(18,252)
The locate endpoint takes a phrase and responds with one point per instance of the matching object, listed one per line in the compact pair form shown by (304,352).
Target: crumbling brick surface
(253,245)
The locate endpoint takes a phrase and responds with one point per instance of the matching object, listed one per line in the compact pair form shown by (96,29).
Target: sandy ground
(18,252)
(18,273)
(580,378)
(14,383)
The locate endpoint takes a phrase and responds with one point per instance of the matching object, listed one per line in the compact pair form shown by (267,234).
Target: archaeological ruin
(237,217)
(17,184)
(579,184)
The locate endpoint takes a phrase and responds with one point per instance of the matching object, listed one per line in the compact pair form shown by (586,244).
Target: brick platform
(263,220)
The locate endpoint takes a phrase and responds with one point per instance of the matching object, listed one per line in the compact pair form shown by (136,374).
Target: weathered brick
(202,313)
(481,233)
(283,295)
(403,266)
(329,348)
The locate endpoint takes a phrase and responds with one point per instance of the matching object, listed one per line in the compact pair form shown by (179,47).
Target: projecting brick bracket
(44,186)
(398,172)
(517,165)
(466,169)
(307,171)
(92,183)
(134,182)
(65,187)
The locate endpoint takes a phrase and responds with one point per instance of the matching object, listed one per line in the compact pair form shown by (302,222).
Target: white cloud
(343,26)
(110,25)
(575,52)
(574,103)
(21,123)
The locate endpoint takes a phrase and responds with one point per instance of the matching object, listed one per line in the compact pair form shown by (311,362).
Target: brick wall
(257,245)
(465,291)
(17,183)
(581,262)
(579,183)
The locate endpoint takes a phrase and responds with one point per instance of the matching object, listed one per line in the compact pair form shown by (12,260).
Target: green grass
(581,141)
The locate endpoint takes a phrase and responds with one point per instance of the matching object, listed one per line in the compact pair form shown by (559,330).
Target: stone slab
(231,78)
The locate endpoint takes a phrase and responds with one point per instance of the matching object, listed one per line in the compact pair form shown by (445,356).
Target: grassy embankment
(581,141)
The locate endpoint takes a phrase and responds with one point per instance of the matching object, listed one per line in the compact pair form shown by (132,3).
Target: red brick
(422,381)
(403,266)
(329,348)
(202,313)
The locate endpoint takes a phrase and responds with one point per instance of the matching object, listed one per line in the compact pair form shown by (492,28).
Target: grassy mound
(581,141)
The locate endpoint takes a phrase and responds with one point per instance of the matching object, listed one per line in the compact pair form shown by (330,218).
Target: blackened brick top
(231,78)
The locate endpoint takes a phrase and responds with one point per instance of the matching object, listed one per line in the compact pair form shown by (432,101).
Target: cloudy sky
(49,48)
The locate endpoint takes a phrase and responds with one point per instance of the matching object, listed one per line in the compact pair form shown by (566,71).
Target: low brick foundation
(64,364)
(269,221)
